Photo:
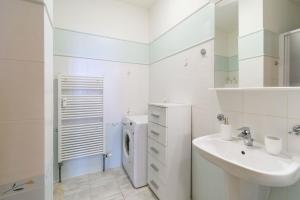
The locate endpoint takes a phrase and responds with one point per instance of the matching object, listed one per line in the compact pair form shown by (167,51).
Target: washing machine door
(127,151)
(126,144)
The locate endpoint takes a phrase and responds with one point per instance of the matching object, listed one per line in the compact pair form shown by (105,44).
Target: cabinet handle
(154,167)
(154,150)
(155,115)
(155,133)
(154,184)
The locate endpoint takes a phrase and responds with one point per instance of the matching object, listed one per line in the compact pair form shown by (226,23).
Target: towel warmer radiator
(80,118)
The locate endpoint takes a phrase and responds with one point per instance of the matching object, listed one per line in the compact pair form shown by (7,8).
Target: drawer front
(158,133)
(156,168)
(157,115)
(157,150)
(156,186)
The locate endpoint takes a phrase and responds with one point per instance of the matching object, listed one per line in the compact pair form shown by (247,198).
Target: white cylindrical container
(273,145)
(226,131)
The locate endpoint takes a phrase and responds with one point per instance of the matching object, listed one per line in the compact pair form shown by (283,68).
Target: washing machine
(134,156)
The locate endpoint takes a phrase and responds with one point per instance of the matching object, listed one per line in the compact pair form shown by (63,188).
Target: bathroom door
(292,59)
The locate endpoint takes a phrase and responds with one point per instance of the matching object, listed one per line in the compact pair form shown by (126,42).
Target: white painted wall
(48,101)
(250,16)
(108,18)
(281,15)
(165,14)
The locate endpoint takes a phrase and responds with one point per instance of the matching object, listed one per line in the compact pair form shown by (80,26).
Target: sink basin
(252,164)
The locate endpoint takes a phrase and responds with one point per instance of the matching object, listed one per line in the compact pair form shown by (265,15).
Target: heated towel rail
(80,117)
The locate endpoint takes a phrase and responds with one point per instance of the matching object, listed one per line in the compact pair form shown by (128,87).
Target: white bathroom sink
(252,164)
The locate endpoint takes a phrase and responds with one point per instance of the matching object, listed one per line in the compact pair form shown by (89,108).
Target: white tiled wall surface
(251,72)
(251,16)
(125,93)
(125,84)
(265,112)
(185,78)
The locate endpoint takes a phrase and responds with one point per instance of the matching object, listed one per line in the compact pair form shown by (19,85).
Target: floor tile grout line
(115,178)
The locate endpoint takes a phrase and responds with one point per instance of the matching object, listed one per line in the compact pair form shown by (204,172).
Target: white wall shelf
(257,89)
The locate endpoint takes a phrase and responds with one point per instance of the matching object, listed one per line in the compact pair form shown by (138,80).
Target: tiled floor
(111,185)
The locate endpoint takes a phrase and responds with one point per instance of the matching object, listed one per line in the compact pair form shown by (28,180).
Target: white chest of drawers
(169,151)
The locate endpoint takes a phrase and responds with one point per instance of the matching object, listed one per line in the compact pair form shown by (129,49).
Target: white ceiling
(142,3)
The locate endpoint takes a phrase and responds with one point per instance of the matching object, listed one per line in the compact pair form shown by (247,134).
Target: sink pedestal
(238,189)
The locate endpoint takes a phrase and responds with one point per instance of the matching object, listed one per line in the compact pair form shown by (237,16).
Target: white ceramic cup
(273,145)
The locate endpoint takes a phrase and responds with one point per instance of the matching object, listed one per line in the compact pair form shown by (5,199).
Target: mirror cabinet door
(257,43)
(226,44)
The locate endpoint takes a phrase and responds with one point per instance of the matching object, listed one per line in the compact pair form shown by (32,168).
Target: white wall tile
(255,123)
(293,140)
(294,104)
(185,78)
(265,112)
(21,30)
(22,90)
(236,119)
(262,126)
(172,80)
(275,126)
(251,72)
(231,100)
(266,103)
(250,16)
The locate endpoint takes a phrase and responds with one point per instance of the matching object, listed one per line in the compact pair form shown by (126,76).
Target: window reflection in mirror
(226,44)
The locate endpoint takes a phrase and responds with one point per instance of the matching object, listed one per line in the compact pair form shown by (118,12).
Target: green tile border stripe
(259,43)
(178,23)
(226,63)
(198,28)
(69,43)
(98,35)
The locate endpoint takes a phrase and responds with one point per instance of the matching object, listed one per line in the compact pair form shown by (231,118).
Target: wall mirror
(257,43)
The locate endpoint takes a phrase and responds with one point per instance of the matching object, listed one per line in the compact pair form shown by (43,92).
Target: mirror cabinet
(257,43)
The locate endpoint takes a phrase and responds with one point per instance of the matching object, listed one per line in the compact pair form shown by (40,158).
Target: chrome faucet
(246,135)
